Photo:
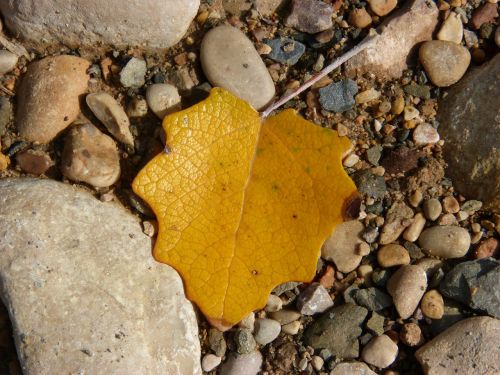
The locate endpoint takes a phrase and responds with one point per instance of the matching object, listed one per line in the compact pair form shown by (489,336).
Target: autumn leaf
(243,205)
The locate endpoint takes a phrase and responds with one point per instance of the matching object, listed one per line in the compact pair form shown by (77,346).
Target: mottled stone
(310,16)
(285,50)
(341,247)
(79,280)
(338,96)
(407,286)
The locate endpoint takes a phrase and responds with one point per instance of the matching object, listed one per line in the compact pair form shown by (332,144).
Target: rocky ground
(410,287)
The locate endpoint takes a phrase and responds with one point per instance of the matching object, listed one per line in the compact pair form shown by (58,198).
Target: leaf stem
(327,70)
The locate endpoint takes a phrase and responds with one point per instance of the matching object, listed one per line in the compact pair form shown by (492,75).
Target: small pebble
(266,330)
(285,316)
(246,364)
(398,105)
(291,328)
(210,362)
(471,39)
(352,368)
(217,342)
(33,162)
(338,96)
(416,198)
(314,299)
(244,341)
(444,62)
(392,255)
(381,351)
(4,162)
(112,115)
(445,241)
(133,73)
(150,227)
(367,96)
(137,108)
(452,29)
(450,205)
(285,50)
(425,134)
(360,18)
(382,7)
(342,246)
(274,303)
(317,362)
(410,113)
(310,16)
(413,231)
(163,99)
(407,286)
(487,248)
(411,335)
(8,61)
(397,219)
(432,209)
(248,322)
(351,160)
(432,304)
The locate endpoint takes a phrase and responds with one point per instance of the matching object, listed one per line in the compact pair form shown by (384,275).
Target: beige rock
(397,219)
(432,209)
(360,18)
(291,328)
(389,55)
(432,304)
(230,61)
(149,23)
(8,61)
(112,115)
(429,265)
(48,96)
(411,334)
(285,316)
(468,347)
(79,280)
(425,134)
(352,368)
(413,231)
(445,241)
(451,205)
(407,286)
(163,99)
(90,156)
(367,96)
(381,351)
(444,62)
(452,29)
(382,7)
(393,255)
(267,7)
(341,246)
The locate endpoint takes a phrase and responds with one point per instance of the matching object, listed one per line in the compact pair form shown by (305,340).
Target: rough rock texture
(468,347)
(469,119)
(389,55)
(82,289)
(150,23)
(48,96)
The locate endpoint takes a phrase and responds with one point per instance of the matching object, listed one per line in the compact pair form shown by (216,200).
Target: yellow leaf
(242,205)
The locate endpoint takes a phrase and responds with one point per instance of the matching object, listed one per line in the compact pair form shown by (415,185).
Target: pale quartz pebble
(248,322)
(317,362)
(413,231)
(274,303)
(112,115)
(8,61)
(229,60)
(242,364)
(392,255)
(452,29)
(432,209)
(407,286)
(365,270)
(341,246)
(285,316)
(425,134)
(416,198)
(382,7)
(445,241)
(314,299)
(367,96)
(450,205)
(163,99)
(291,328)
(447,219)
(351,160)
(381,351)
(432,304)
(150,227)
(410,113)
(377,125)
(210,362)
(266,330)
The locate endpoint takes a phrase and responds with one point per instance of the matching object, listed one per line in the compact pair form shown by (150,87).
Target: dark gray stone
(420,91)
(475,283)
(285,50)
(338,330)
(216,342)
(373,154)
(372,298)
(469,119)
(380,277)
(244,341)
(370,184)
(338,96)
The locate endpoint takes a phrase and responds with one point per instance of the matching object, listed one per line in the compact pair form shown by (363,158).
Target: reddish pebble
(484,14)
(33,163)
(487,248)
(328,278)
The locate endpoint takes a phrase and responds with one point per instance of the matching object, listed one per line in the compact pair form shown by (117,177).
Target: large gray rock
(82,289)
(470,126)
(389,55)
(468,347)
(149,23)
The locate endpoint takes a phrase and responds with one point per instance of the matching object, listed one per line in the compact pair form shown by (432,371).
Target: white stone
(210,362)
(79,281)
(133,73)
(342,246)
(452,29)
(425,134)
(230,60)
(266,330)
(244,364)
(112,115)
(381,351)
(149,23)
(8,61)
(314,299)
(274,303)
(248,322)
(163,99)
(352,368)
